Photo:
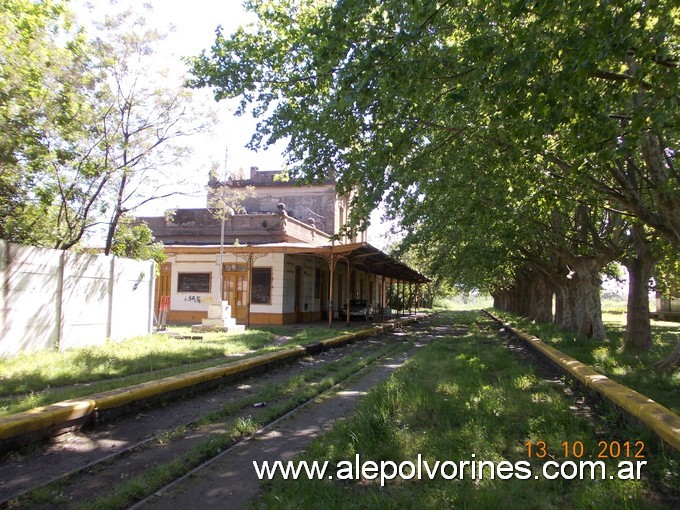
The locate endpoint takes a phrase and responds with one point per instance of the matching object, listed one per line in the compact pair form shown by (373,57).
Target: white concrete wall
(85,300)
(275,262)
(288,280)
(210,263)
(54,299)
(313,302)
(133,293)
(308,266)
(195,263)
(29,309)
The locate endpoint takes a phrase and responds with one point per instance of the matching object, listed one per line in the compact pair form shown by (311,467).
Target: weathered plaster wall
(209,263)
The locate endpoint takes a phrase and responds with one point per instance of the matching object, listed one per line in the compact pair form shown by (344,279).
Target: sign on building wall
(193,282)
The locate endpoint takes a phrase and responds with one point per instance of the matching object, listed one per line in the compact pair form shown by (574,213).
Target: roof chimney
(253,172)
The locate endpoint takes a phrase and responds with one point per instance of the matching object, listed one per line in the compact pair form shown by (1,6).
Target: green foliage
(460,396)
(135,241)
(224,201)
(632,369)
(667,271)
(500,133)
(282,398)
(32,380)
(86,124)
(44,98)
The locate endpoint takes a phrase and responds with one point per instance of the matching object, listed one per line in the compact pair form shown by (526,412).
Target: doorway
(235,290)
(163,285)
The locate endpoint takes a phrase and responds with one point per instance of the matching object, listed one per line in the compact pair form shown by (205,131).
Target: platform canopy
(361,255)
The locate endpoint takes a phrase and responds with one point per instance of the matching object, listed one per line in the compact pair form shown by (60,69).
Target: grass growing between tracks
(632,369)
(236,420)
(463,396)
(33,380)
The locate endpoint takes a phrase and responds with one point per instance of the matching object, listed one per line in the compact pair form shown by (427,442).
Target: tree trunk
(591,324)
(117,213)
(567,318)
(523,291)
(541,298)
(113,225)
(580,309)
(640,267)
(530,296)
(504,300)
(672,361)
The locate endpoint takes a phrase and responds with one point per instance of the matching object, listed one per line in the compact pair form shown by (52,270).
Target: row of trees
(89,125)
(525,146)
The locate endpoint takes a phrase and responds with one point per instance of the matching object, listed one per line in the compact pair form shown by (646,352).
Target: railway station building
(668,306)
(281,261)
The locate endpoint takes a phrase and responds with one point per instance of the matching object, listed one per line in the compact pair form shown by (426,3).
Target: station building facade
(281,261)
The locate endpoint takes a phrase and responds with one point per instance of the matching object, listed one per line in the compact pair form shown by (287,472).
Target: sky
(190,25)
(191,28)
(194,23)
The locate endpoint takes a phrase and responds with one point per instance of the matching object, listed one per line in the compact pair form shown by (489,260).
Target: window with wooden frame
(193,282)
(262,285)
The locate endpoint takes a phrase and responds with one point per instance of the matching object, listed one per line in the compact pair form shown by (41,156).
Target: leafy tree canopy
(392,97)
(89,125)
(135,241)
(43,64)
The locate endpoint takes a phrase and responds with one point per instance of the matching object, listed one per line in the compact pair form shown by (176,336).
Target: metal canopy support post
(418,298)
(373,299)
(331,276)
(332,260)
(222,257)
(383,295)
(347,288)
(390,295)
(403,298)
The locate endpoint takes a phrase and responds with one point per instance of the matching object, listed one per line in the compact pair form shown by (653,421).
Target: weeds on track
(632,369)
(466,395)
(33,380)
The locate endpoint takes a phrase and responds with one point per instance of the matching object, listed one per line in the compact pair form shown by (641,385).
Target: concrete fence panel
(30,304)
(133,298)
(52,299)
(85,300)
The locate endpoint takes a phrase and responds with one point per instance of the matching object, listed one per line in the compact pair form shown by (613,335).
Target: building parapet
(198,226)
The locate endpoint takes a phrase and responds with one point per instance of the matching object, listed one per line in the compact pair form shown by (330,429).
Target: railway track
(135,455)
(151,459)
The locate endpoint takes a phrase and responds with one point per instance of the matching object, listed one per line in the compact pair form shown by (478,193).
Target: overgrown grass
(463,396)
(616,304)
(32,380)
(464,302)
(281,398)
(608,357)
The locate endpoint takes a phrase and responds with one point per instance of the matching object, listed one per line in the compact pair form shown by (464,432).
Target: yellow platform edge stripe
(661,420)
(65,411)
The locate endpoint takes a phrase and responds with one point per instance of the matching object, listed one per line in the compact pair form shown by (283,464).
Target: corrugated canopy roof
(361,255)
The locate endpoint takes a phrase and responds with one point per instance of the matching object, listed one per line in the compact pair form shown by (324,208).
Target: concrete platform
(19,429)
(202,328)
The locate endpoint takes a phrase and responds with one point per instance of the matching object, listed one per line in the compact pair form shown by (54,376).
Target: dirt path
(230,481)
